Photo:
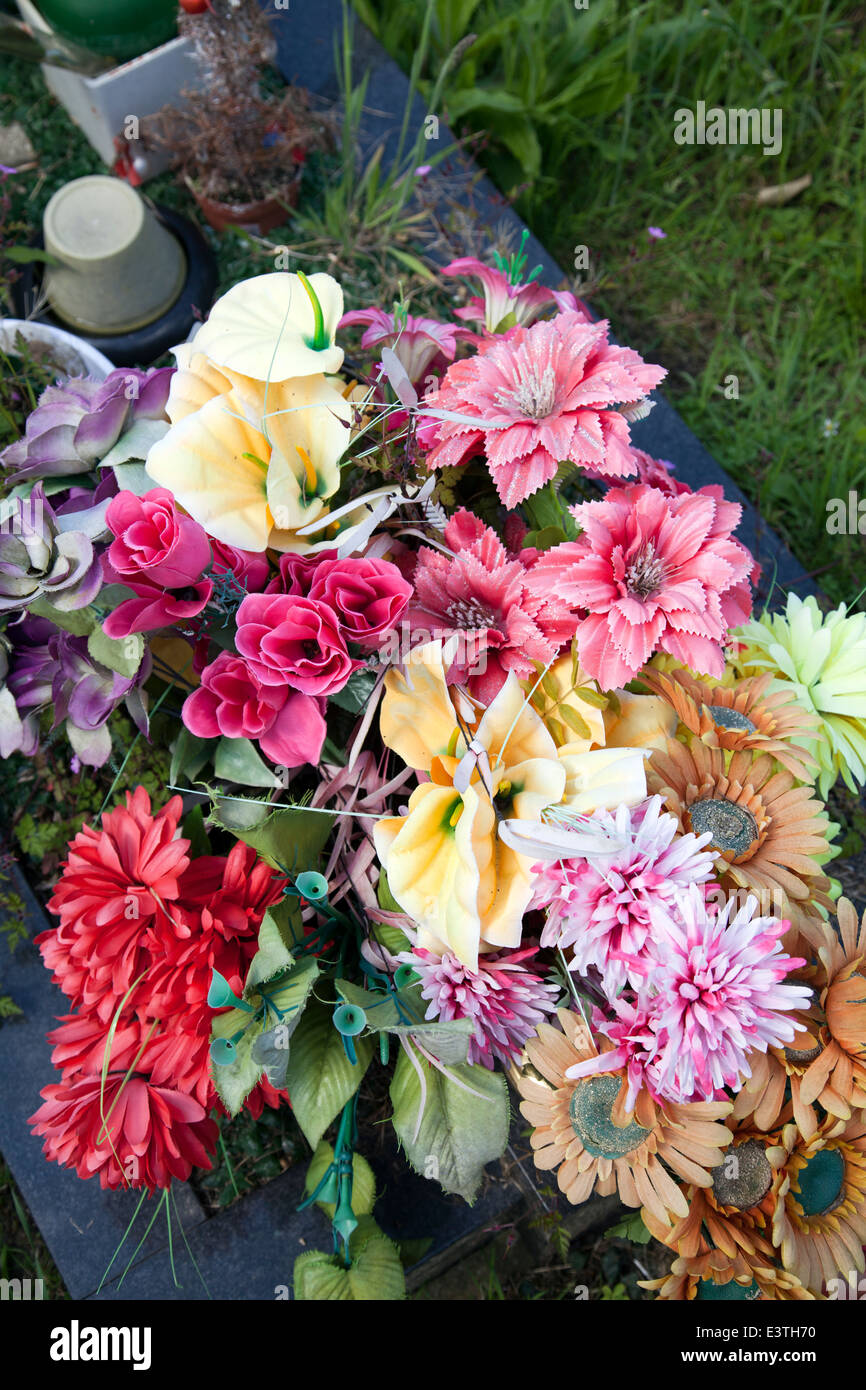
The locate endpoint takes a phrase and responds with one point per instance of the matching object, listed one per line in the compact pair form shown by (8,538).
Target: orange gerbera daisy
(582,1129)
(837,1074)
(773,1093)
(713,1276)
(819,1192)
(745,716)
(767,830)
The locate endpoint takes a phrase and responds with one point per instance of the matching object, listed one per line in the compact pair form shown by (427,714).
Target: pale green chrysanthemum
(823,655)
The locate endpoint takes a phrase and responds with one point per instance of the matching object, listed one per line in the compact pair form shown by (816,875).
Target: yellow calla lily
(196,381)
(255,462)
(602,778)
(276,326)
(447,866)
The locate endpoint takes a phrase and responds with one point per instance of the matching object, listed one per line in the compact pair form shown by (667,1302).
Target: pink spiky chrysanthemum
(539,397)
(480,594)
(650,572)
(599,906)
(715,995)
(505,1001)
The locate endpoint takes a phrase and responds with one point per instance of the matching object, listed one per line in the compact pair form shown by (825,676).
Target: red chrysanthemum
(139,1135)
(116,882)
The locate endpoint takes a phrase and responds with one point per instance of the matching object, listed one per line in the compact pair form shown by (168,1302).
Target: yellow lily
(253,463)
(272,327)
(446,864)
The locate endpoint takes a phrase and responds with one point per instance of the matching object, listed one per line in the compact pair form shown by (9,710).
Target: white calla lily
(276,326)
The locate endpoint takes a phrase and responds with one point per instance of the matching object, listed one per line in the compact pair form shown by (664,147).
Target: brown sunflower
(836,1076)
(767,831)
(746,716)
(580,1128)
(819,1193)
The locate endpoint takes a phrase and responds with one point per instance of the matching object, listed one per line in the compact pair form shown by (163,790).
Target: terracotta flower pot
(260,217)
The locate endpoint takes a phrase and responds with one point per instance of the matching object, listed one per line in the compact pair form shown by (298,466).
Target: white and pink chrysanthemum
(599,906)
(417,342)
(505,1001)
(650,572)
(537,398)
(715,995)
(479,593)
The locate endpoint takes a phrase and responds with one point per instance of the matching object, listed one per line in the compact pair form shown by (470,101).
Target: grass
(770,295)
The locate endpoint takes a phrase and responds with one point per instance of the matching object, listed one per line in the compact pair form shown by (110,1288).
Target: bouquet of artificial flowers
(483,773)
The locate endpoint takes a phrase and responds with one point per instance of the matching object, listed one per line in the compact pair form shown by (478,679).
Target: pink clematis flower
(537,398)
(650,572)
(417,342)
(480,594)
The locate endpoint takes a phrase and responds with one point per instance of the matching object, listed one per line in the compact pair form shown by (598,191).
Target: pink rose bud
(368,596)
(154,541)
(291,640)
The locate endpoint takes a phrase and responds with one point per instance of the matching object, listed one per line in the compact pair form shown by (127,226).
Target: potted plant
(240,152)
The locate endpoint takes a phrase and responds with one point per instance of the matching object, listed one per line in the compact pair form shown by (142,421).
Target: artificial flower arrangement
(484,774)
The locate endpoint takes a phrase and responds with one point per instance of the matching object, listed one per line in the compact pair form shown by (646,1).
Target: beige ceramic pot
(117,267)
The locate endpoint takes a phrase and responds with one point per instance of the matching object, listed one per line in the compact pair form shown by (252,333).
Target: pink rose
(289,727)
(251,568)
(297,572)
(368,596)
(291,640)
(154,542)
(152,607)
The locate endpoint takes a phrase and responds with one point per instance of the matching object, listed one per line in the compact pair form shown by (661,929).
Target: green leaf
(382,1009)
(274,953)
(320,1078)
(194,831)
(189,755)
(575,723)
(375,1275)
(26,255)
(546,538)
(458,1132)
(290,838)
(136,443)
(363,1181)
(483,99)
(78,621)
(234,1082)
(591,697)
(237,760)
(131,477)
(387,901)
(448,1042)
(120,654)
(630,1228)
(356,692)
